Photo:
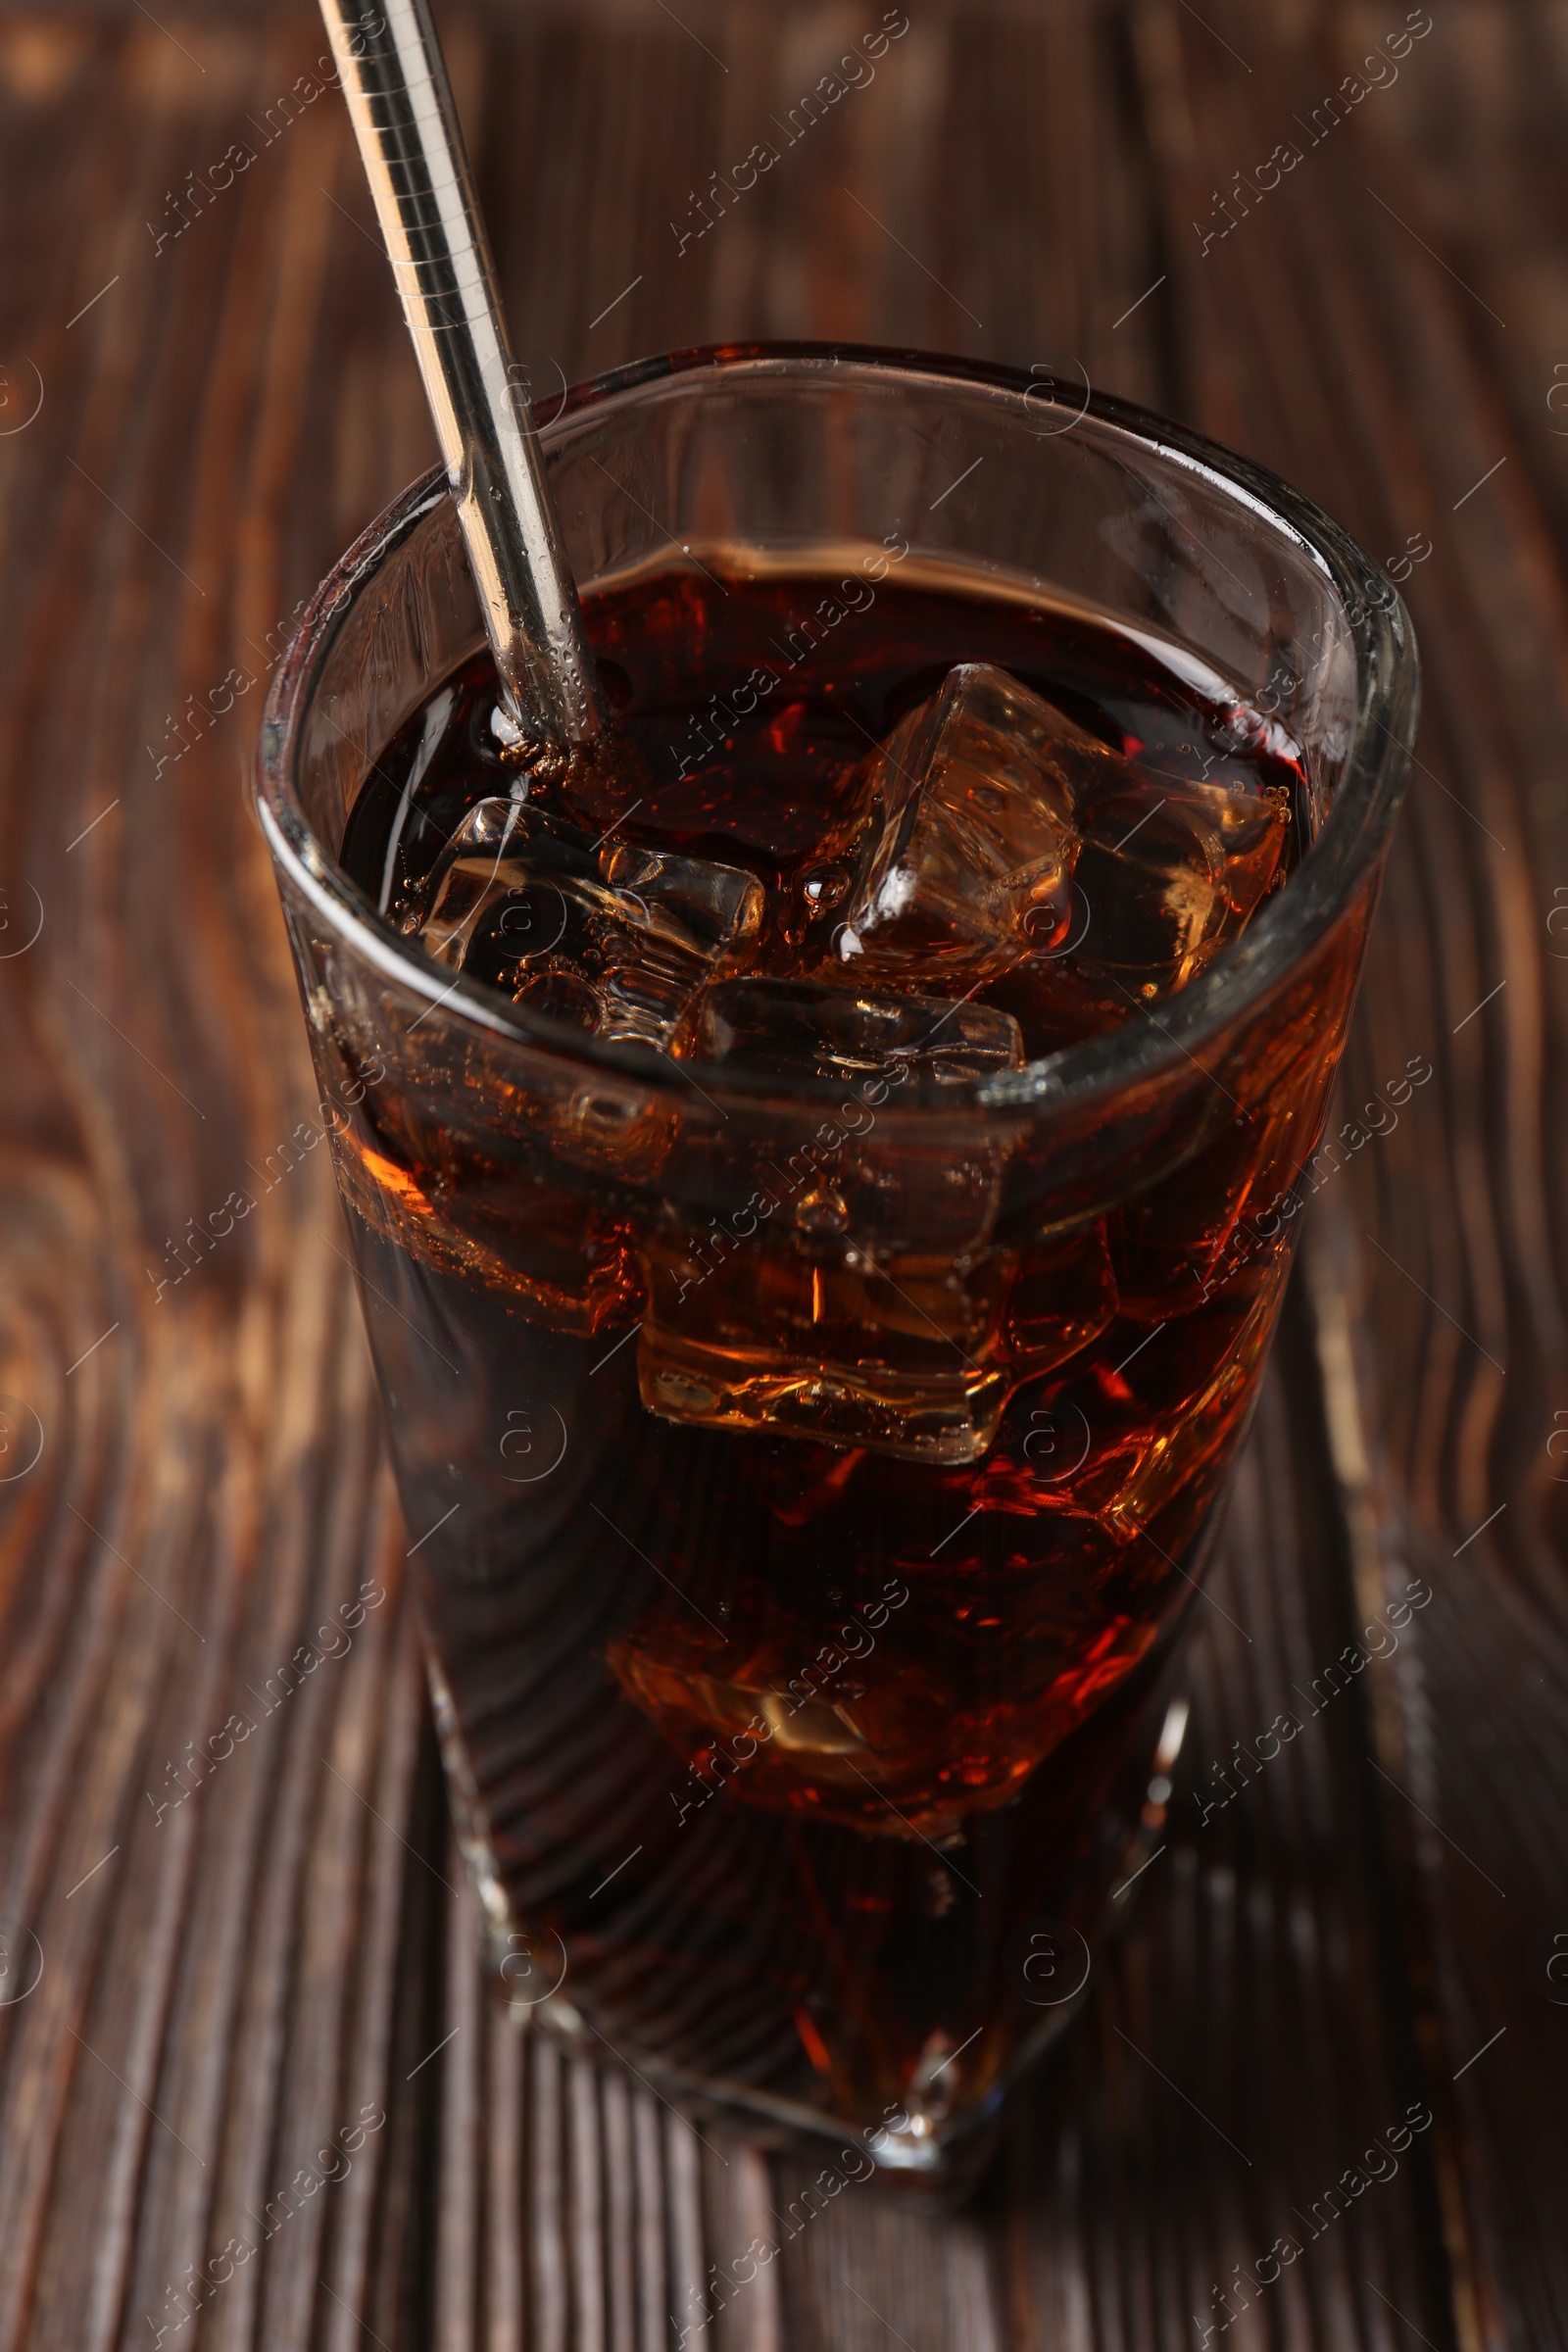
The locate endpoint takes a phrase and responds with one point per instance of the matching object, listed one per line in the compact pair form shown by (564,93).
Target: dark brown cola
(807,1497)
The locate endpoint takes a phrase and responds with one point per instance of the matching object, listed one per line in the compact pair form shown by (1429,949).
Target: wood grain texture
(231,1978)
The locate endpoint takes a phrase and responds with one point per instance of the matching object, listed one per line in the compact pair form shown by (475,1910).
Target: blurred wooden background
(199,1995)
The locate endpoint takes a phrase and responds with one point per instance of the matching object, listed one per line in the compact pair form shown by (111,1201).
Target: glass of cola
(822,1166)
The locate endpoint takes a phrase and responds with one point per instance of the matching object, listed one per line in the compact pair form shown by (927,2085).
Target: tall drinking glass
(807,1482)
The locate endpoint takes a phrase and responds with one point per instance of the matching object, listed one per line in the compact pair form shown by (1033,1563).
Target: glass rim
(1153,1042)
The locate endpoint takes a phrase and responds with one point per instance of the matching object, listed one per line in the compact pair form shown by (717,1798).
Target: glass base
(920,2147)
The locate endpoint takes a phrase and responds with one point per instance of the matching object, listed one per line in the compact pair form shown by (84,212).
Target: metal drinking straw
(393,74)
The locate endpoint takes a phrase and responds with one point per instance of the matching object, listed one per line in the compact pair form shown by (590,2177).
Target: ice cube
(615,939)
(783,1719)
(914,1356)
(1169,870)
(1014,848)
(820,1342)
(861,1174)
(1064,1295)
(1229,1335)
(800,1028)
(565,1260)
(861,1716)
(858,1299)
(973,866)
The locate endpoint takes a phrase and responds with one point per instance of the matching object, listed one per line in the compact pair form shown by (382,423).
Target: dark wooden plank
(218,1968)
(1393,329)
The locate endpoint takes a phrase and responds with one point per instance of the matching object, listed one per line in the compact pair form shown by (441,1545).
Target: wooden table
(206,394)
